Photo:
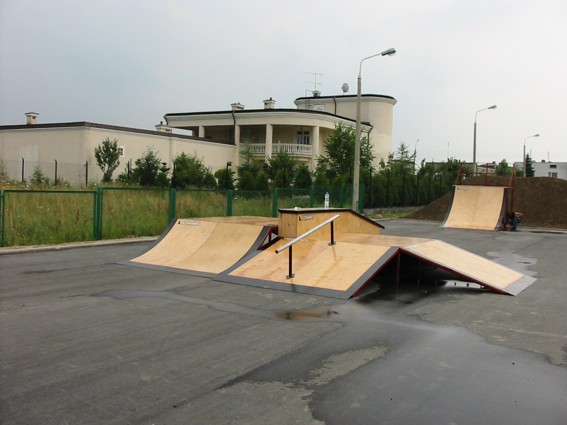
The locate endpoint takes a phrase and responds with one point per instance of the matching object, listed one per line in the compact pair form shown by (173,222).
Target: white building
(301,131)
(557,170)
(66,150)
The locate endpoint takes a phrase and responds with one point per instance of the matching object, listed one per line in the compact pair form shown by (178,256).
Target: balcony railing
(294,149)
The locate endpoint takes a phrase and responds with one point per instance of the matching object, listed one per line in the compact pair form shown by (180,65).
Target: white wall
(72,147)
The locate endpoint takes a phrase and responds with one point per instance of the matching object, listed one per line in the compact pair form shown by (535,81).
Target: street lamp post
(356,174)
(474,135)
(525,163)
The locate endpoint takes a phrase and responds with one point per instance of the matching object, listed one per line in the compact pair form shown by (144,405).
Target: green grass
(33,218)
(209,203)
(134,212)
(258,204)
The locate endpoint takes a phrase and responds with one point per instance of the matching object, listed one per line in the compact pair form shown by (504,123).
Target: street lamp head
(389,52)
(536,135)
(492,107)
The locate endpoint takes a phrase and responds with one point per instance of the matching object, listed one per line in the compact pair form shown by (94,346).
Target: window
(552,165)
(553,175)
(302,138)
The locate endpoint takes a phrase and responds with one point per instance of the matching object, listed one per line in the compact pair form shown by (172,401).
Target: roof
(345,96)
(256,111)
(105,127)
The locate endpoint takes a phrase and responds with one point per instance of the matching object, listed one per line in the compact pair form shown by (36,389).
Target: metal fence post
(2,218)
(172,204)
(98,213)
(229,199)
(275,199)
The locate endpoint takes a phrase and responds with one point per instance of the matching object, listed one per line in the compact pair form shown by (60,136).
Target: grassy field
(31,218)
(36,217)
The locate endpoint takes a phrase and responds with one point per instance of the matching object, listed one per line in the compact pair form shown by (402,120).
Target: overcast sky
(129,62)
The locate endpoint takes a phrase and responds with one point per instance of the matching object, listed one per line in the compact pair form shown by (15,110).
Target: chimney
(163,128)
(31,118)
(269,103)
(237,106)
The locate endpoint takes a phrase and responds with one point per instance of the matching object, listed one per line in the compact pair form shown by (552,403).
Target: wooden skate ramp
(206,246)
(343,269)
(477,207)
(470,267)
(319,268)
(243,250)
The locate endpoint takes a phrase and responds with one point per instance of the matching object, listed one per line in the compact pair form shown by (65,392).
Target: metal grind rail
(290,244)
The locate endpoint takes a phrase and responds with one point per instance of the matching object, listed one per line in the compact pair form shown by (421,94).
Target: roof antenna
(315,83)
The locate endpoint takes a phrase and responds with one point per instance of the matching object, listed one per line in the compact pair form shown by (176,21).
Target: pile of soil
(543,200)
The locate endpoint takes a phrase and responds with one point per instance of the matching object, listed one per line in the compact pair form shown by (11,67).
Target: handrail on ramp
(302,236)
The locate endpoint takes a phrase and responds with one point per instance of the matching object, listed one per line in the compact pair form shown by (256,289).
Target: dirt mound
(543,201)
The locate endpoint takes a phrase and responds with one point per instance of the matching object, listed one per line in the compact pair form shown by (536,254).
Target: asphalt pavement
(85,340)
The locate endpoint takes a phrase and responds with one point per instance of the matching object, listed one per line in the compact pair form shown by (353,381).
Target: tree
(251,175)
(149,170)
(190,171)
(281,169)
(338,161)
(302,178)
(107,157)
(529,171)
(225,178)
(38,178)
(503,169)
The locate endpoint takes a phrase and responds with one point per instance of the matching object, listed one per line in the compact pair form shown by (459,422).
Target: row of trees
(397,181)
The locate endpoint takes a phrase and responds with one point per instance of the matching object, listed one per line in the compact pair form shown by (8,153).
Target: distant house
(67,149)
(557,170)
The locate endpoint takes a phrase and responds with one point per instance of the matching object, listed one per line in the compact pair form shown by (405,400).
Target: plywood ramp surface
(295,222)
(340,268)
(205,245)
(477,207)
(471,266)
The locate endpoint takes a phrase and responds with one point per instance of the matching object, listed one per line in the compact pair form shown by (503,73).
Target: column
(236,159)
(201,131)
(314,147)
(269,136)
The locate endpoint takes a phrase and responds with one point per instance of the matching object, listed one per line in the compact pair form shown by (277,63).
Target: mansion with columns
(301,132)
(66,150)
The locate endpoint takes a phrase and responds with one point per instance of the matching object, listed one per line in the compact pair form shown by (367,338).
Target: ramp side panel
(474,267)
(342,268)
(294,222)
(203,246)
(477,207)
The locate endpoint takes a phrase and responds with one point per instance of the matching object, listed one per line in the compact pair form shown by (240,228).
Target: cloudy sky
(129,62)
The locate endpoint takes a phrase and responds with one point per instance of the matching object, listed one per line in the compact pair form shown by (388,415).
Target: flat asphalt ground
(85,340)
